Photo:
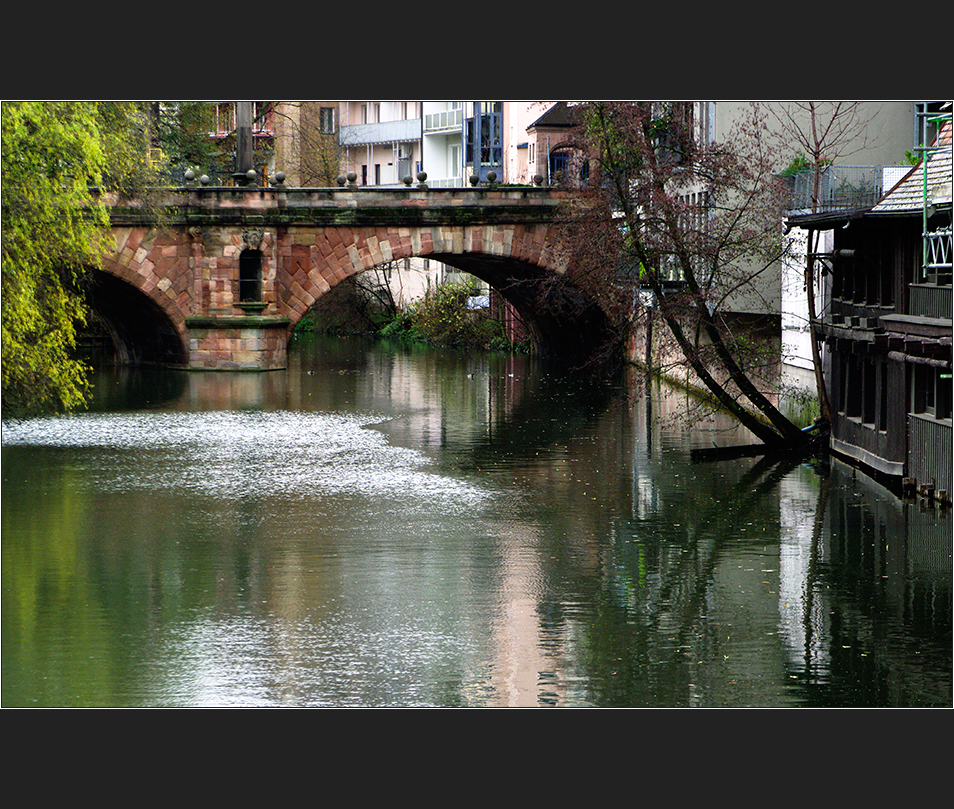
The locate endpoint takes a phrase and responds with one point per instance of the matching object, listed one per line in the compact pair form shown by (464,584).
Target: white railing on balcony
(937,254)
(447,119)
(388,132)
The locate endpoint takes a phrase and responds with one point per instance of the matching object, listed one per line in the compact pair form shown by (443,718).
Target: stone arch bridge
(218,277)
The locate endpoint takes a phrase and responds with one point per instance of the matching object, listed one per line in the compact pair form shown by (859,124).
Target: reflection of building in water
(803,611)
(863,540)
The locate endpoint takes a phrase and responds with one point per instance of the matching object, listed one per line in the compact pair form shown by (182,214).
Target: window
(455,161)
(862,397)
(250,276)
(853,387)
(485,137)
(327,120)
(224,118)
(883,411)
(931,391)
(570,165)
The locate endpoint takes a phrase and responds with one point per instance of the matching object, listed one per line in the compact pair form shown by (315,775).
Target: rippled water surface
(387,526)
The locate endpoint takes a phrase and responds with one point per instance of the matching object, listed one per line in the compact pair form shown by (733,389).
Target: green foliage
(181,130)
(801,163)
(443,318)
(57,159)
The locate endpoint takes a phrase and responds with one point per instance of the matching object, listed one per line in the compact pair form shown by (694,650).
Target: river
(400,526)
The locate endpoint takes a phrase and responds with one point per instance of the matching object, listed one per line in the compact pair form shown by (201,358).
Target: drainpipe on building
(243,141)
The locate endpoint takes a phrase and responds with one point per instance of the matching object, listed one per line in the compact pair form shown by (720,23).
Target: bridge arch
(518,261)
(142,333)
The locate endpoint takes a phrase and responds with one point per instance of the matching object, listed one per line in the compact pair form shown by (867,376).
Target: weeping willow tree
(59,158)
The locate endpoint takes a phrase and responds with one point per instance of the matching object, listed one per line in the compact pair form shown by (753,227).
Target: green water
(386,526)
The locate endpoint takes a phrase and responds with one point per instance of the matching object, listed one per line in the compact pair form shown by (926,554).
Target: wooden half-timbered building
(886,321)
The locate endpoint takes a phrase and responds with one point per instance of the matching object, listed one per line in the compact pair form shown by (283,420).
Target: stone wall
(237,344)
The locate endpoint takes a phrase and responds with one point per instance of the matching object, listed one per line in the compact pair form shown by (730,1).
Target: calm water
(410,527)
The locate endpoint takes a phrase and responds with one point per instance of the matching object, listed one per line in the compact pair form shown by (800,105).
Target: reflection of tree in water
(673,610)
(864,602)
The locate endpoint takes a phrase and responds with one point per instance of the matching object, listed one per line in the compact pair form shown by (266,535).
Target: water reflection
(402,526)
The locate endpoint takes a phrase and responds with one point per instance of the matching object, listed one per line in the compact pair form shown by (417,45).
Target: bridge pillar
(236,343)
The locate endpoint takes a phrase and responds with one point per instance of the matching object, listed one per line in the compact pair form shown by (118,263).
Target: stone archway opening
(558,321)
(140,332)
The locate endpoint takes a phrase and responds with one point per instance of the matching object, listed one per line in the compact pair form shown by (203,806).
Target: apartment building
(464,139)
(381,141)
(306,142)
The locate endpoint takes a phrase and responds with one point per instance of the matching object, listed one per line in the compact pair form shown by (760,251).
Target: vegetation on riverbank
(450,315)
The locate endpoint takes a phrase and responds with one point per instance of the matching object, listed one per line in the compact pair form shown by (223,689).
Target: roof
(563,115)
(930,179)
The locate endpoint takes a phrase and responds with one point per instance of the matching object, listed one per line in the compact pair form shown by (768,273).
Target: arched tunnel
(141,333)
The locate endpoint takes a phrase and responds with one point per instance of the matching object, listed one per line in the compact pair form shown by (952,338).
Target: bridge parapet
(351,206)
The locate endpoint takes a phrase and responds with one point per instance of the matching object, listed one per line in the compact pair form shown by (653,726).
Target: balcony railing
(388,132)
(840,188)
(446,119)
(930,300)
(937,256)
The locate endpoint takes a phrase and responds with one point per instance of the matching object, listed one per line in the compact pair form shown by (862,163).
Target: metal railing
(840,188)
(937,256)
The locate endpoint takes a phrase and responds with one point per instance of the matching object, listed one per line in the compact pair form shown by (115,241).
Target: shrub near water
(443,318)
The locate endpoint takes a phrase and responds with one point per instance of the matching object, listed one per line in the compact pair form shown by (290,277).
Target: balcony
(927,300)
(840,188)
(447,120)
(387,132)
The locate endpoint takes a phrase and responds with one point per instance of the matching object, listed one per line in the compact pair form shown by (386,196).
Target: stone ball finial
(278,177)
(252,176)
(474,179)
(190,176)
(422,176)
(352,177)
(408,180)
(204,179)
(537,179)
(342,180)
(491,177)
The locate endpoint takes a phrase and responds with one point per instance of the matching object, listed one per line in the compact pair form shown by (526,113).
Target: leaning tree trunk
(765,433)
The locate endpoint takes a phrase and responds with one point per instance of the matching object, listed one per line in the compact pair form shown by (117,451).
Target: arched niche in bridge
(250,276)
(141,333)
